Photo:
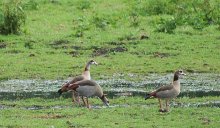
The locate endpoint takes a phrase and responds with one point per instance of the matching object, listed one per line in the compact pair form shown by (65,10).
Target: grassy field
(59,37)
(129,112)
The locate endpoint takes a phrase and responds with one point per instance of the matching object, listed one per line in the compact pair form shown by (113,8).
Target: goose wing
(164,88)
(77,78)
(86,83)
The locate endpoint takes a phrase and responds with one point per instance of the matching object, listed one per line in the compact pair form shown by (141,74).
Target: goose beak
(183,74)
(107,104)
(60,91)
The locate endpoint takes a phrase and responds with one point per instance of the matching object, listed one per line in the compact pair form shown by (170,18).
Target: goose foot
(163,110)
(89,106)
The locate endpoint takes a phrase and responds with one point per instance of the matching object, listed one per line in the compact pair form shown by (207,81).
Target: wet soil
(192,85)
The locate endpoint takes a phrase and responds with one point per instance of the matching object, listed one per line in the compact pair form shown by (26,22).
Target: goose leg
(73,97)
(84,103)
(87,102)
(167,105)
(161,109)
(77,98)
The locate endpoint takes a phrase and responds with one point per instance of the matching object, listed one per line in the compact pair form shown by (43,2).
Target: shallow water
(192,85)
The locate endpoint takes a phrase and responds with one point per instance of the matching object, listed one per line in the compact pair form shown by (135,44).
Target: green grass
(60,37)
(139,113)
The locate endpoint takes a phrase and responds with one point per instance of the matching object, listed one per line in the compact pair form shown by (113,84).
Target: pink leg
(167,105)
(87,103)
(160,105)
(73,97)
(84,103)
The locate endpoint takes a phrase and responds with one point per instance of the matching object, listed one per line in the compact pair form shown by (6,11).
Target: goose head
(180,72)
(104,100)
(92,62)
(64,88)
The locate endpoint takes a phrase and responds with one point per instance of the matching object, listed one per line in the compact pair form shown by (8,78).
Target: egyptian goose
(88,88)
(167,92)
(85,76)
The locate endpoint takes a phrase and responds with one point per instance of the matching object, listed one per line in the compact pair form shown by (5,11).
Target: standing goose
(85,76)
(88,88)
(167,92)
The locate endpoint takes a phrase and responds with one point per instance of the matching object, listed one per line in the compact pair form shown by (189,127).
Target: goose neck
(87,68)
(175,78)
(86,74)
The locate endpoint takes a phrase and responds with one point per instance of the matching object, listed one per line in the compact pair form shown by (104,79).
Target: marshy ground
(138,45)
(35,103)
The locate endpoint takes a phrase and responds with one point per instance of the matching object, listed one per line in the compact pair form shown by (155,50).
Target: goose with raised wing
(167,92)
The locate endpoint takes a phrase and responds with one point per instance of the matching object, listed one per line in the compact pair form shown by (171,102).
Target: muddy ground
(192,85)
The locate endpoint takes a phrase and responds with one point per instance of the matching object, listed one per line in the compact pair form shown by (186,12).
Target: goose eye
(181,71)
